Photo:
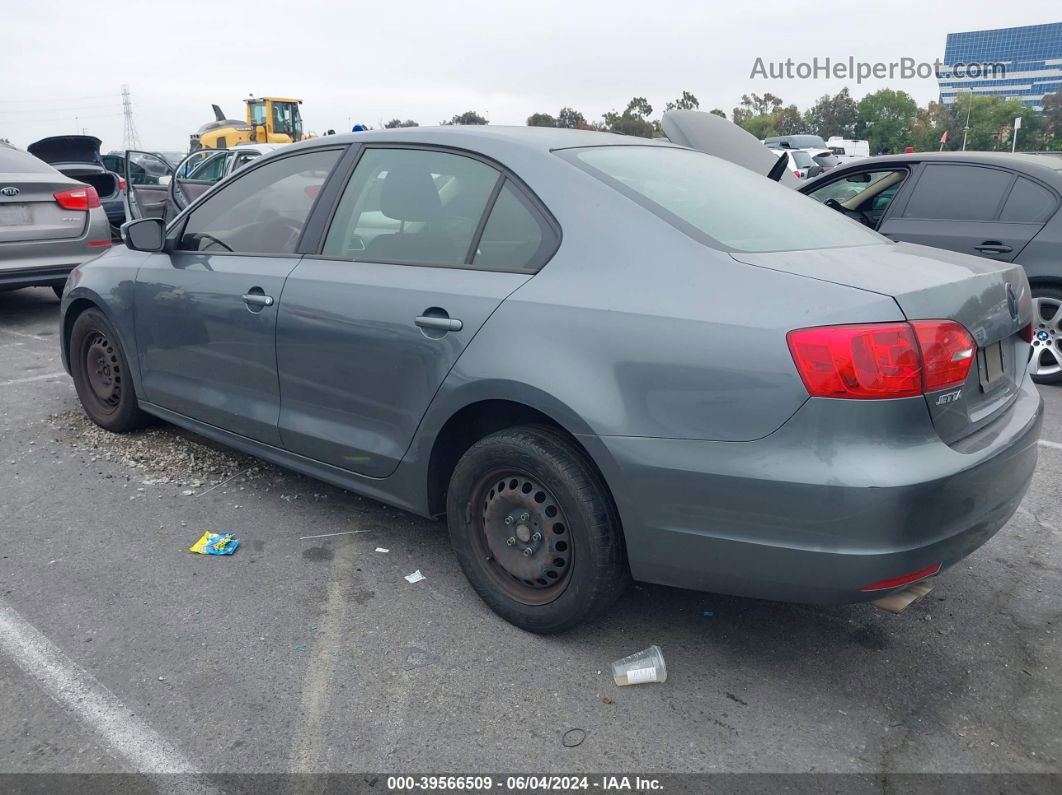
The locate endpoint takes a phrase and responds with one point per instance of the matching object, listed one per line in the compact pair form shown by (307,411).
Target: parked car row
(600,357)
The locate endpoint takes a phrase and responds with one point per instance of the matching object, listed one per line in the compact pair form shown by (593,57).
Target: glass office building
(1032,56)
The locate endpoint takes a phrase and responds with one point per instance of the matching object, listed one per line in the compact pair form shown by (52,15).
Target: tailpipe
(898,601)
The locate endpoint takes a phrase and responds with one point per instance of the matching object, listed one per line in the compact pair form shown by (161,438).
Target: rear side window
(261,212)
(717,202)
(515,238)
(1028,203)
(958,193)
(412,206)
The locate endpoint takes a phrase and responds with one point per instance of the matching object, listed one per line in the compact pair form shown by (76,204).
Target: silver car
(599,357)
(49,223)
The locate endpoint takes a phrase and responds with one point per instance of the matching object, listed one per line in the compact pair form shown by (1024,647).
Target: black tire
(58,290)
(101,374)
(1052,329)
(581,541)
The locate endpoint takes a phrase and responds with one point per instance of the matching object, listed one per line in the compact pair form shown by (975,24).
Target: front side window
(958,193)
(411,206)
(717,202)
(261,212)
(873,183)
(258,112)
(282,117)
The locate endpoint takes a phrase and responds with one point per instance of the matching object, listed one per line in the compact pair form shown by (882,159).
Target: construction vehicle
(270,120)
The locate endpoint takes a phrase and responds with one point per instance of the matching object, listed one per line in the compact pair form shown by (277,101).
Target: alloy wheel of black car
(101,374)
(535,529)
(1046,364)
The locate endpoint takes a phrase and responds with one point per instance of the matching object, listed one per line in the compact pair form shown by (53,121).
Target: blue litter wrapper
(215,544)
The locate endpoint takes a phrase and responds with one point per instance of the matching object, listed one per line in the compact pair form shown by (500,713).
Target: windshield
(717,202)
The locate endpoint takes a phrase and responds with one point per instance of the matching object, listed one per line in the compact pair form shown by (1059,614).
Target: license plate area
(15,215)
(991,366)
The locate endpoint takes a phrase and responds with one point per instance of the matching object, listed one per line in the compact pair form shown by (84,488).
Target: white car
(848,149)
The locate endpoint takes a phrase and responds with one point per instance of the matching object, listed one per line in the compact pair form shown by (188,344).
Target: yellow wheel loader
(270,120)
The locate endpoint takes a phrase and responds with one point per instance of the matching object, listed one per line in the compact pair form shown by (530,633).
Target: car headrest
(409,194)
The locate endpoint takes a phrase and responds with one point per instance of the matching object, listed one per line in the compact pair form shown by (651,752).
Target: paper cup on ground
(645,666)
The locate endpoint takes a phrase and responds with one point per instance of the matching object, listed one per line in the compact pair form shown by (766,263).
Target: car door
(864,195)
(206,307)
(958,206)
(198,173)
(146,193)
(423,245)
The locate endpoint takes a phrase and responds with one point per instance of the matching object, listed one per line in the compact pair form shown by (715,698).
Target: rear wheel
(1046,365)
(535,530)
(101,374)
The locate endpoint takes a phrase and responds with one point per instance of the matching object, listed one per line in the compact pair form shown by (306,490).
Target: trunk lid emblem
(10,191)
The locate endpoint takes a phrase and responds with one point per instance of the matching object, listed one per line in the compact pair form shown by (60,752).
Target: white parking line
(74,688)
(27,336)
(44,377)
(1052,445)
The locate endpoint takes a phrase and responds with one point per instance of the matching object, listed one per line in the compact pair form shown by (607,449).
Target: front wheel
(1046,364)
(101,374)
(535,530)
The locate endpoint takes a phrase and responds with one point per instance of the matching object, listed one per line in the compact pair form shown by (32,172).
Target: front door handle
(993,247)
(439,323)
(257,299)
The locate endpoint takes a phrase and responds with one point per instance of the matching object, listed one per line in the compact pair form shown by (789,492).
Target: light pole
(966,129)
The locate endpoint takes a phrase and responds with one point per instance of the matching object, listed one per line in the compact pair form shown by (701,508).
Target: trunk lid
(67,149)
(716,136)
(32,213)
(990,299)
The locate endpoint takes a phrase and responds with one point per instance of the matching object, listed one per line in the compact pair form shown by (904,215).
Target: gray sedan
(48,223)
(599,357)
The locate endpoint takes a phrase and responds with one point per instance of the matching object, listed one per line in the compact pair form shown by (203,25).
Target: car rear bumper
(831,502)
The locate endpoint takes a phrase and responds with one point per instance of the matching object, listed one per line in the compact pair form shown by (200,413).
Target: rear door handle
(257,299)
(439,323)
(993,247)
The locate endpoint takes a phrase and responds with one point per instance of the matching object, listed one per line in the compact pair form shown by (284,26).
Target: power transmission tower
(130,140)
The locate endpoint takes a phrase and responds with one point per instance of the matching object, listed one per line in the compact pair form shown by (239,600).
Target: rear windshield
(717,202)
(14,161)
(802,159)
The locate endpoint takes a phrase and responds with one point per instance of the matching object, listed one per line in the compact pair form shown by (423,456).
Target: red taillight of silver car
(84,198)
(882,360)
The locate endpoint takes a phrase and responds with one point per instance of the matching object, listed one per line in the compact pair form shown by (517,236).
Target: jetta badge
(9,191)
(1012,302)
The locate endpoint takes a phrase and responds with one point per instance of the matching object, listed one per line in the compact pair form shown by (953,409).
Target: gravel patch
(164,454)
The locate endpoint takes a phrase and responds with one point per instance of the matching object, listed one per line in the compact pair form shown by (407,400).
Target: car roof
(544,139)
(1044,166)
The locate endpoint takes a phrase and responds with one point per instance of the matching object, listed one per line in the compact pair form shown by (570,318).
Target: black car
(78,157)
(996,205)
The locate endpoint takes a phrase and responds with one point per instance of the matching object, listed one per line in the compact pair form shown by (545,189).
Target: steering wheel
(859,215)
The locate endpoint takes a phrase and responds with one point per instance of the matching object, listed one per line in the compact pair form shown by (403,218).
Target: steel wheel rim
(511,512)
(103,371)
(1047,336)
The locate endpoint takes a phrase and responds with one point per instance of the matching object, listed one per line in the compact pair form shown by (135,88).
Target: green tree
(632,121)
(468,117)
(1051,121)
(788,121)
(399,123)
(686,102)
(991,123)
(541,120)
(718,112)
(836,115)
(571,118)
(886,118)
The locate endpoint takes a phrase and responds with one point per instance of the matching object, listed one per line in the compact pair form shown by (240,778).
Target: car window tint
(411,206)
(263,211)
(513,236)
(1028,203)
(958,193)
(717,202)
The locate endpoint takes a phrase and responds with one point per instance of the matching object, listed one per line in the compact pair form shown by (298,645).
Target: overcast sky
(429,59)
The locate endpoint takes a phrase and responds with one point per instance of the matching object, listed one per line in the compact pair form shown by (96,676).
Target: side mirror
(144,234)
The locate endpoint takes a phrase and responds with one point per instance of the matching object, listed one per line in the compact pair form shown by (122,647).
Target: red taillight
(84,198)
(796,174)
(121,183)
(882,360)
(906,579)
(877,360)
(947,353)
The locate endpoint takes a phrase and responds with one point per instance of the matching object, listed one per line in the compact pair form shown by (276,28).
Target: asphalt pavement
(307,650)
